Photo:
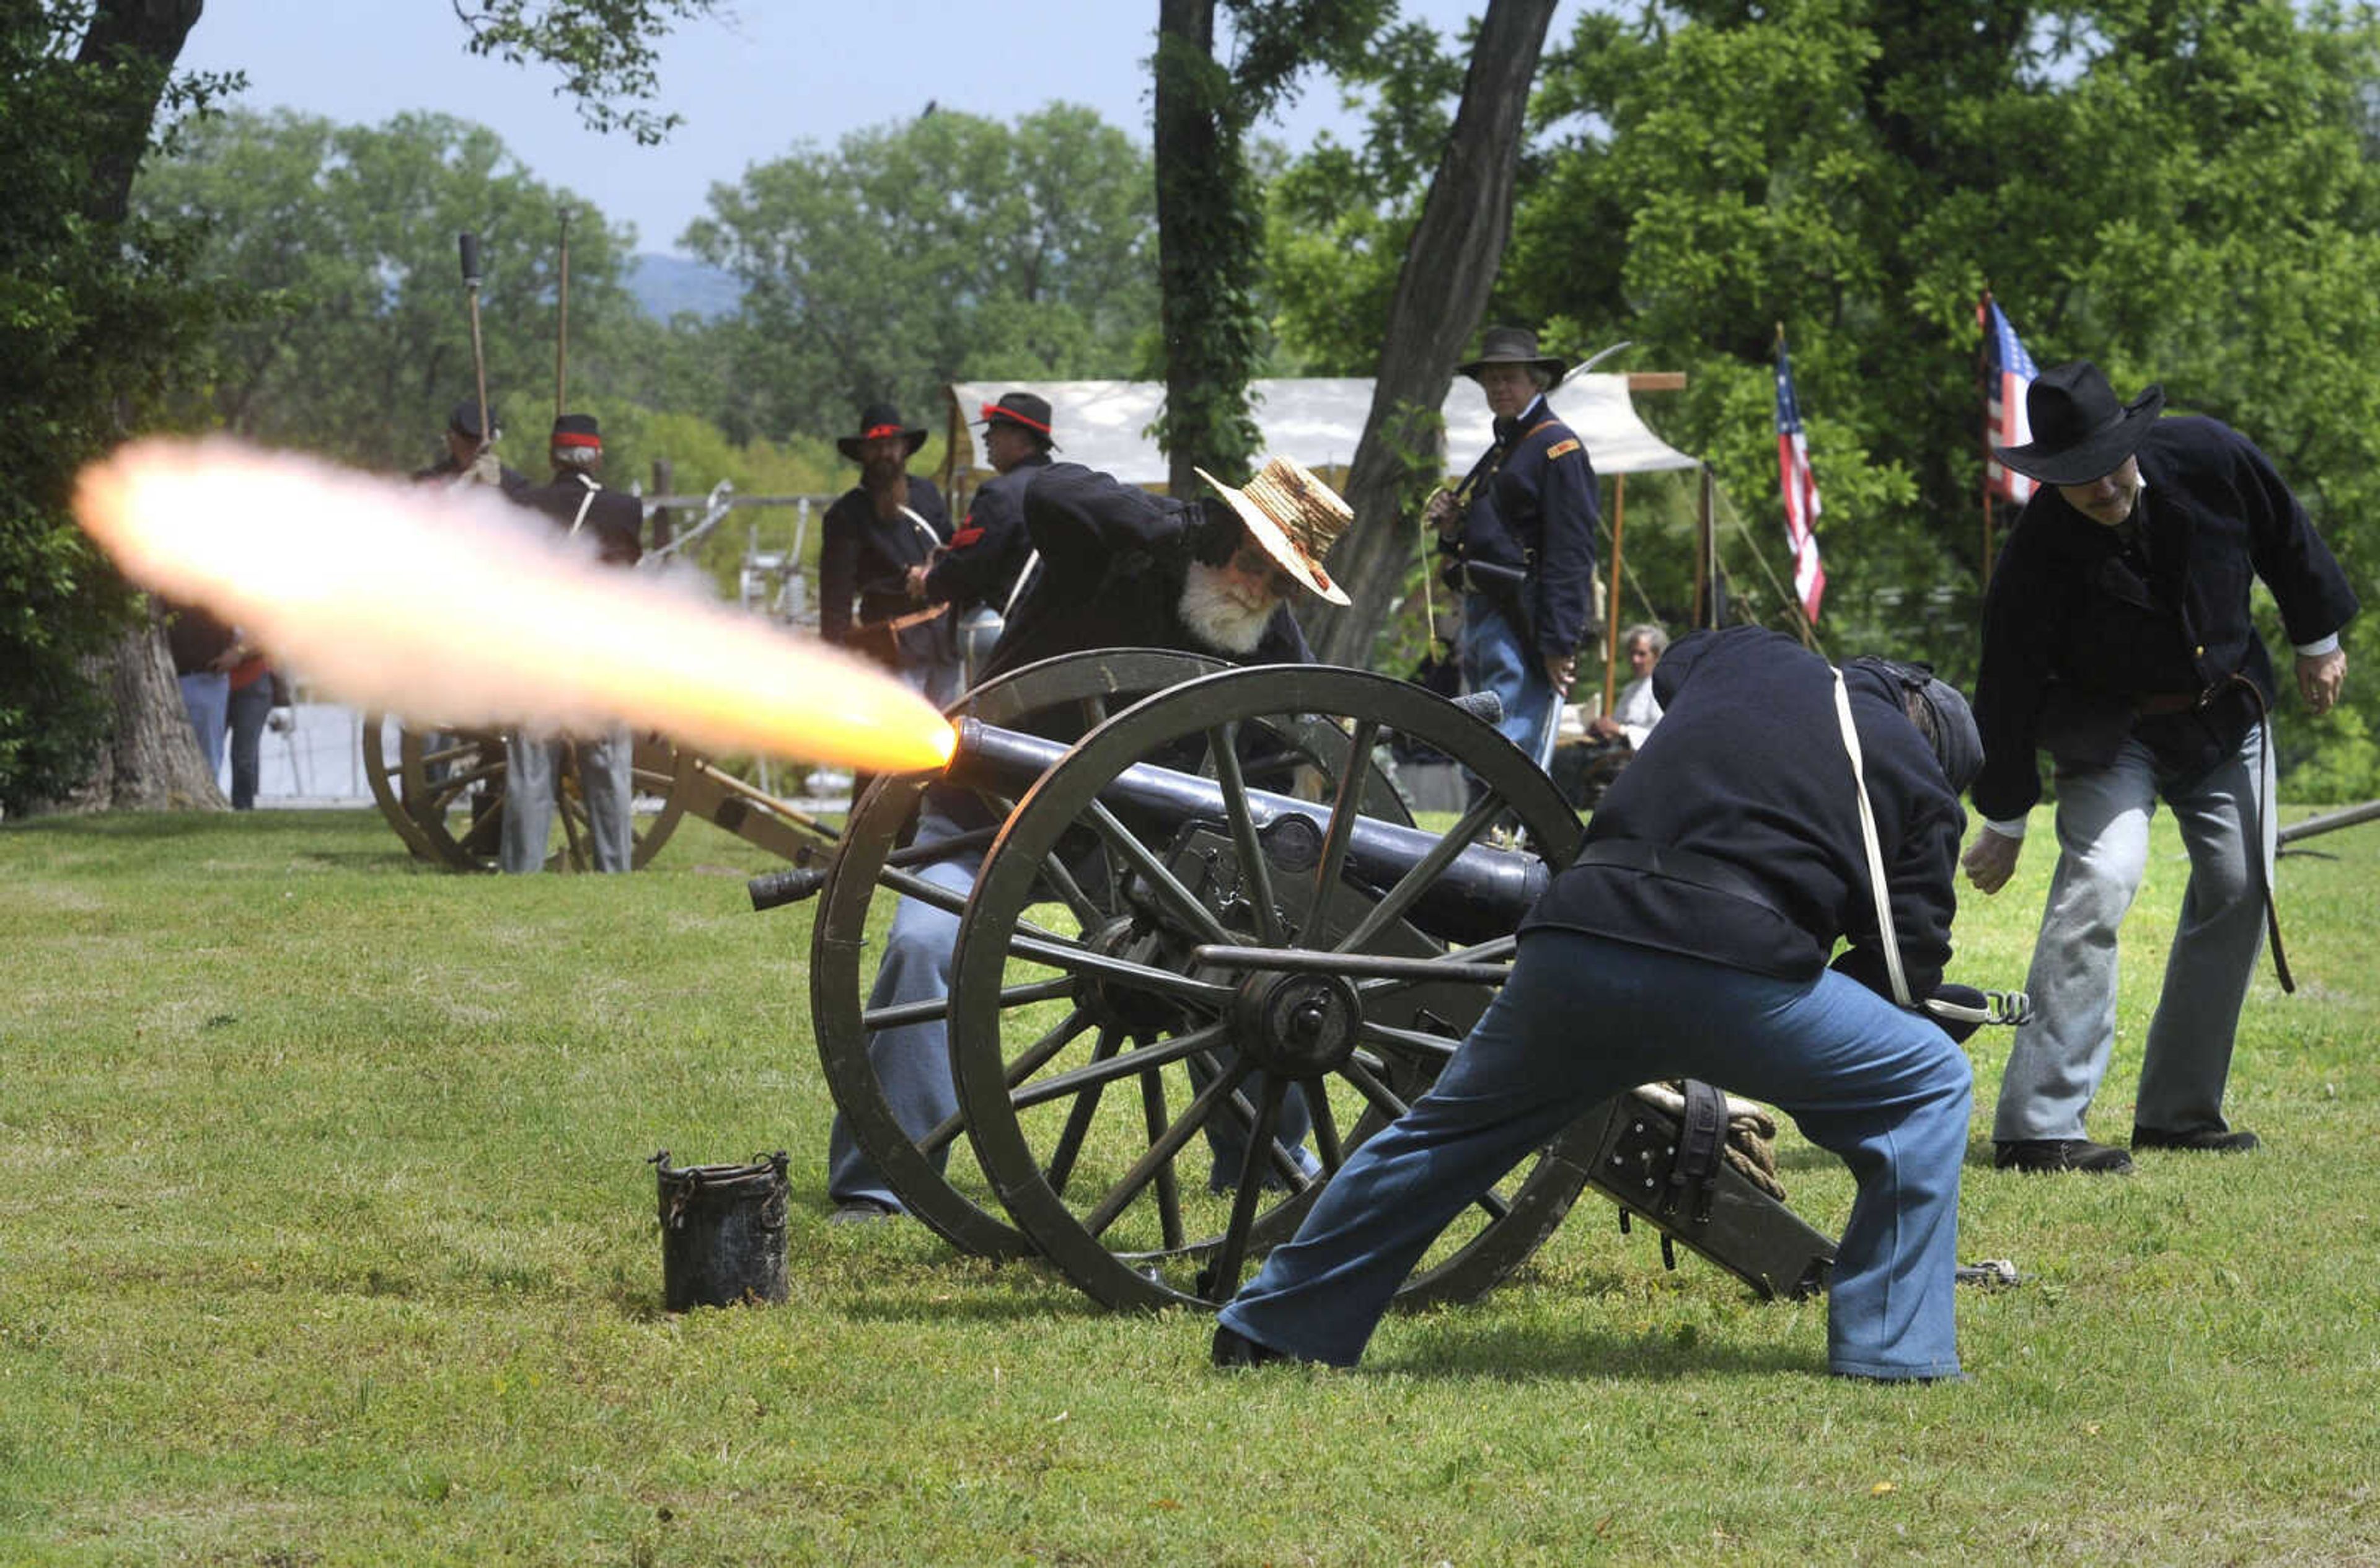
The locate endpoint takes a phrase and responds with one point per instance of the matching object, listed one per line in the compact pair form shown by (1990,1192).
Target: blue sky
(750,84)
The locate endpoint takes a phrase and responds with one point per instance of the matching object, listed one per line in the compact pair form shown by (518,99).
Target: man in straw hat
(889,522)
(1518,537)
(1120,569)
(1722,867)
(2116,638)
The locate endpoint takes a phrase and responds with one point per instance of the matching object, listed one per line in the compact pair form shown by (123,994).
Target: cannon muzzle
(1479,893)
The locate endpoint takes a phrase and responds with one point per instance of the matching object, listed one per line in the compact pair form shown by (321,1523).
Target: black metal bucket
(723,1231)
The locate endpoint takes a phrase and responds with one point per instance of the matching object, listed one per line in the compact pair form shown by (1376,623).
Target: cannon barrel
(1480,893)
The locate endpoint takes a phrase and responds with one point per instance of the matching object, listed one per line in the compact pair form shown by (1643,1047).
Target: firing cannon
(444,794)
(1211,913)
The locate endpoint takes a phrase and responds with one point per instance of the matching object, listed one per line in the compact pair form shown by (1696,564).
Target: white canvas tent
(1317,420)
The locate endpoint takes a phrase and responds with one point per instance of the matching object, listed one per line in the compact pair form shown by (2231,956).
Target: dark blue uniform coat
(2082,622)
(867,558)
(1747,776)
(987,555)
(1532,511)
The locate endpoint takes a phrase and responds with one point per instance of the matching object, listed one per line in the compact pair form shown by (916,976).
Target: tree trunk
(152,762)
(142,38)
(1448,269)
(1206,238)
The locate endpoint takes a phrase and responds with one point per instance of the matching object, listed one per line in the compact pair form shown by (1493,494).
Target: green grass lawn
(326,1235)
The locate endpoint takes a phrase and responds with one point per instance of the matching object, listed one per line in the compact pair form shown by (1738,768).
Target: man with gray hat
(1518,537)
(1722,868)
(2118,639)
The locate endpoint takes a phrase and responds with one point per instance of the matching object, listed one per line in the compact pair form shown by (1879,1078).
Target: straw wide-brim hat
(1296,517)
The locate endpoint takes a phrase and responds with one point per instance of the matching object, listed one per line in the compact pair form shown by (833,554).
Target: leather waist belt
(2156,704)
(1679,865)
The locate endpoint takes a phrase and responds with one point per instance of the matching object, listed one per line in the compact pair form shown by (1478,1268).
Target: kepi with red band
(576,440)
(1028,412)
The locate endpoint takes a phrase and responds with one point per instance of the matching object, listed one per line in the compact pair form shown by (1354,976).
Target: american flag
(2008,371)
(1801,489)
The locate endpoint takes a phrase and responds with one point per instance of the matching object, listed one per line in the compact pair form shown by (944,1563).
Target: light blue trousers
(605,782)
(206,696)
(1496,659)
(2057,1061)
(1582,1019)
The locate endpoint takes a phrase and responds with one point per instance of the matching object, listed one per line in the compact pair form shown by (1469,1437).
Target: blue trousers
(1884,1089)
(912,1062)
(2056,1063)
(1494,657)
(251,706)
(206,696)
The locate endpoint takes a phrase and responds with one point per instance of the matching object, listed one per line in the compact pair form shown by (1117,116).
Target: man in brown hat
(983,569)
(576,502)
(1120,569)
(887,523)
(1518,537)
(2116,638)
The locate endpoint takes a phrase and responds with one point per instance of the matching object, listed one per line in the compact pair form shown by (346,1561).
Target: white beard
(1219,617)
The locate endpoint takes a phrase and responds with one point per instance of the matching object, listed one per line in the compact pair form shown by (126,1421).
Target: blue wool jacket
(2082,622)
(992,547)
(1747,776)
(1532,511)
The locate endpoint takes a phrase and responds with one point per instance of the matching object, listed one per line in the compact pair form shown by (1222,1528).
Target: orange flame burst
(455,606)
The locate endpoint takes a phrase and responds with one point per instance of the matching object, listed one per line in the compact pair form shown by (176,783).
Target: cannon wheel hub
(1296,1026)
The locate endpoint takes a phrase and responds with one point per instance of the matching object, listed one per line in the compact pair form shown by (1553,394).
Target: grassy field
(327,1236)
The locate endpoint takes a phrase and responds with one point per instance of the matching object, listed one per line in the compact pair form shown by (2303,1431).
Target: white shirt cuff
(2012,829)
(2316,649)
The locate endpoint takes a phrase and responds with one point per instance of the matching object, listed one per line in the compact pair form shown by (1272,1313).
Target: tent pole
(1612,616)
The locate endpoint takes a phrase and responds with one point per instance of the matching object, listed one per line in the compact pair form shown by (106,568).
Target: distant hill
(664,286)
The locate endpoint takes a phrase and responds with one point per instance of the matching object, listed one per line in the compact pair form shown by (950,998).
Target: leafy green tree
(1449,267)
(2185,192)
(354,339)
(99,323)
(97,315)
(1210,210)
(946,246)
(606,49)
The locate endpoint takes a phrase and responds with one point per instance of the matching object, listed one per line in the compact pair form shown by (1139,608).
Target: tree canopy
(353,338)
(913,253)
(2185,193)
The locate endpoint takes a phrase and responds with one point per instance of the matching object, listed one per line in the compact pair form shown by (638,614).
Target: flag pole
(1801,614)
(1984,320)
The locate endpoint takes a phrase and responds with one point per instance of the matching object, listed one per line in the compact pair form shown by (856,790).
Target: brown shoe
(2061,1154)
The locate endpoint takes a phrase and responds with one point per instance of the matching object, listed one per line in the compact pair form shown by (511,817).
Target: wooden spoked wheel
(443,791)
(1111,1058)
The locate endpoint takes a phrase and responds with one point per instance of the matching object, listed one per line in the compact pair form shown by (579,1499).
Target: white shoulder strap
(1885,935)
(584,501)
(1023,577)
